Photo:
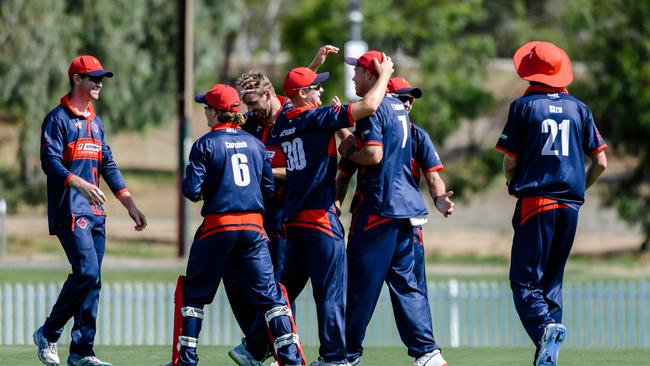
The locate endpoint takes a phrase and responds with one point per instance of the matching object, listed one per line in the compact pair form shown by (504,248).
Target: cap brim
(320,78)
(561,79)
(104,73)
(353,61)
(414,92)
(200,98)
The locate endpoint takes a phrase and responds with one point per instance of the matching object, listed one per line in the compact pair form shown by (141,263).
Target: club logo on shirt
(82,223)
(95,127)
(270,154)
(78,124)
(236,145)
(554,109)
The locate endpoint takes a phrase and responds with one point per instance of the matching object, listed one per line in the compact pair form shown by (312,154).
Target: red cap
(88,65)
(545,63)
(401,86)
(221,97)
(301,77)
(365,61)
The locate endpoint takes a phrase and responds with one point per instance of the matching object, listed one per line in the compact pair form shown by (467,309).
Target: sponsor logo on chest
(288,131)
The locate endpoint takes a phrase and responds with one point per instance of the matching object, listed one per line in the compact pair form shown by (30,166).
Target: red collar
(293,113)
(223,126)
(544,89)
(89,113)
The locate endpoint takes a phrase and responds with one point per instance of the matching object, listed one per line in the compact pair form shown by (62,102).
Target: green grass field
(155,355)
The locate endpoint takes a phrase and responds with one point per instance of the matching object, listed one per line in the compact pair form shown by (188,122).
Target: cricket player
(229,170)
(425,161)
(74,153)
(545,137)
(380,246)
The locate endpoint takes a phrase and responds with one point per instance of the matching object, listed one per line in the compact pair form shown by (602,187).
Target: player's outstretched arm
(321,56)
(439,195)
(136,215)
(597,167)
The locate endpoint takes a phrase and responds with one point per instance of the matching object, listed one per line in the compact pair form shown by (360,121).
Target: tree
(440,36)
(613,39)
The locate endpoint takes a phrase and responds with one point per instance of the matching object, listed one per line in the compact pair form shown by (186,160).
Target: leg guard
(178,320)
(280,319)
(192,318)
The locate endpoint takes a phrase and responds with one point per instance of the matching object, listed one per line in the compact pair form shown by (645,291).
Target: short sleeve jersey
(309,145)
(549,133)
(388,188)
(425,157)
(230,169)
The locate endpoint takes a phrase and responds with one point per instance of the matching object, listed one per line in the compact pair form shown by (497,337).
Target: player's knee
(88,277)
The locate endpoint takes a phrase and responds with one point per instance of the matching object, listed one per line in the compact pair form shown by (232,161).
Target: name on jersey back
(236,145)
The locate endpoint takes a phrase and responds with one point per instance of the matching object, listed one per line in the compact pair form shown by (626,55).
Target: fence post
(3,227)
(454,317)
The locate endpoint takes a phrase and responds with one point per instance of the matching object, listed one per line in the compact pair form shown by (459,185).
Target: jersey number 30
(551,127)
(240,169)
(295,154)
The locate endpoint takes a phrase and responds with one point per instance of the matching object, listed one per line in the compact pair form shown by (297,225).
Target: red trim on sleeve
(350,119)
(436,168)
(374,143)
(67,179)
(121,192)
(598,149)
(505,151)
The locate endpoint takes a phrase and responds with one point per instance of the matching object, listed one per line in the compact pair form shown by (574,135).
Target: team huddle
(272,187)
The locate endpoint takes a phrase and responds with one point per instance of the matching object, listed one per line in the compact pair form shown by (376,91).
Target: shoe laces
(50,347)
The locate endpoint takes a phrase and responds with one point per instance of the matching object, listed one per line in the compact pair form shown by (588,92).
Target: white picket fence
(465,313)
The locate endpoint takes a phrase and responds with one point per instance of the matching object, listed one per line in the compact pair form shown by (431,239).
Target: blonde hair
(254,82)
(223,116)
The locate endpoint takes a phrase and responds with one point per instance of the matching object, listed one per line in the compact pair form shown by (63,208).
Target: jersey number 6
(240,170)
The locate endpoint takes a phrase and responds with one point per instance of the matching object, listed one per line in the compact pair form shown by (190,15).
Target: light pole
(355,47)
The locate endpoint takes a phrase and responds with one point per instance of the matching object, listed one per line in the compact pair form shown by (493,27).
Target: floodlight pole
(184,62)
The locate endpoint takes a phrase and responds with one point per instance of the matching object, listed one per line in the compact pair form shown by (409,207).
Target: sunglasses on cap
(94,79)
(316,87)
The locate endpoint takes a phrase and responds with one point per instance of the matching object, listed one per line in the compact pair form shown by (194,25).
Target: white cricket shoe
(47,352)
(242,357)
(76,360)
(356,362)
(549,346)
(433,358)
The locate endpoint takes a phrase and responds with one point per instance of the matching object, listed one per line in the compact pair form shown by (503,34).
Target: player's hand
(444,204)
(346,145)
(385,67)
(90,191)
(138,217)
(321,56)
(337,208)
(336,102)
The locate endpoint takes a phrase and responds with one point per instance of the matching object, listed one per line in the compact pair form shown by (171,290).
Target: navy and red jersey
(548,131)
(228,168)
(72,143)
(425,158)
(388,189)
(308,142)
(272,203)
